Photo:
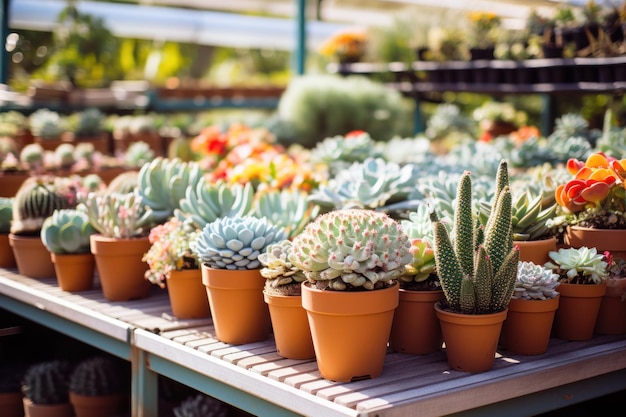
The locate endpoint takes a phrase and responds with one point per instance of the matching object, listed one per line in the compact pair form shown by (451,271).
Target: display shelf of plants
(350,215)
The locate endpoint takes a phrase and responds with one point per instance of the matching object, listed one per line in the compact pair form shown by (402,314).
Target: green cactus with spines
(352,249)
(31,156)
(163,183)
(477,270)
(201,406)
(87,123)
(96,376)
(67,231)
(6,214)
(47,124)
(47,382)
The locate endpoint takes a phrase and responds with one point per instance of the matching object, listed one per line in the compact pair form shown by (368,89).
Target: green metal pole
(4,32)
(300,55)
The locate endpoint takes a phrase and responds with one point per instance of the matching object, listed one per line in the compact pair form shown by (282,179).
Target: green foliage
(321,106)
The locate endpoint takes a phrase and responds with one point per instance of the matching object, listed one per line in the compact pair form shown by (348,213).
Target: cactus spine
(96,376)
(478,269)
(47,382)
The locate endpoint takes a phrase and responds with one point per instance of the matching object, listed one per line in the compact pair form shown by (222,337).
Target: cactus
(37,199)
(352,249)
(236,242)
(535,282)
(477,269)
(579,265)
(64,155)
(289,209)
(96,376)
(138,154)
(6,214)
(31,156)
(162,184)
(47,382)
(87,123)
(201,406)
(67,231)
(207,202)
(281,276)
(46,124)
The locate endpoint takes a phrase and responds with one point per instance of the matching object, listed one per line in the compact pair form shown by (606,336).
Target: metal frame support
(4,32)
(300,55)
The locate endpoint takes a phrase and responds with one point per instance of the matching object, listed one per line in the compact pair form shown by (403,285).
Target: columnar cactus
(352,249)
(281,276)
(67,231)
(236,242)
(478,268)
(201,406)
(535,282)
(96,376)
(47,382)
(6,214)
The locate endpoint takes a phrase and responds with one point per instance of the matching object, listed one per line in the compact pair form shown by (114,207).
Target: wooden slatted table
(256,379)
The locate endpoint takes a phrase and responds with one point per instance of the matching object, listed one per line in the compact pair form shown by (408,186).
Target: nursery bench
(256,379)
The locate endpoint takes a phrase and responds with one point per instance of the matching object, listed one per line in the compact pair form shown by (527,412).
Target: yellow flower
(345,45)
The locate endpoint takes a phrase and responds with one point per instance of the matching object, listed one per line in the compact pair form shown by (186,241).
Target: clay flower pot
(187,294)
(528,325)
(536,251)
(292,333)
(578,310)
(74,271)
(32,257)
(612,315)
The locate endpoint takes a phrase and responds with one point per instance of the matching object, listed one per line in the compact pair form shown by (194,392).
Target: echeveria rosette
(352,249)
(236,242)
(422,265)
(579,265)
(596,195)
(281,276)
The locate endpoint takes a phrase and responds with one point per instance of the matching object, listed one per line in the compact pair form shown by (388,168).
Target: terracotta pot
(578,310)
(120,267)
(415,329)
(350,330)
(535,251)
(32,257)
(187,294)
(44,410)
(601,239)
(97,406)
(612,315)
(11,404)
(7,259)
(528,324)
(239,313)
(292,333)
(10,182)
(49,144)
(471,340)
(74,271)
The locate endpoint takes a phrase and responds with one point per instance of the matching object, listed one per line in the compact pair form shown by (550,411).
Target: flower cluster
(596,196)
(170,250)
(345,46)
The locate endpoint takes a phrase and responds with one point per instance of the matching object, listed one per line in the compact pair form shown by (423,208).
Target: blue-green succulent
(67,231)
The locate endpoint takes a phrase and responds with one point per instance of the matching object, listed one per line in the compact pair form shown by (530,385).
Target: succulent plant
(6,214)
(535,282)
(201,405)
(47,382)
(87,123)
(352,249)
(281,276)
(119,215)
(578,265)
(208,201)
(67,231)
(289,209)
(138,154)
(163,183)
(37,199)
(46,124)
(338,152)
(236,242)
(64,155)
(368,185)
(32,155)
(477,269)
(96,376)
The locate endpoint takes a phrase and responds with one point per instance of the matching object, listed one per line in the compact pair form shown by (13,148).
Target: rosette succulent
(579,265)
(67,231)
(352,249)
(535,282)
(281,276)
(236,242)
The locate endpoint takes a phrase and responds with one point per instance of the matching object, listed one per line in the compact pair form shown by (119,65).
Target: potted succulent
(47,127)
(415,328)
(66,235)
(35,201)
(583,273)
(477,271)
(352,259)
(123,224)
(528,324)
(7,259)
(96,387)
(228,249)
(201,405)
(12,171)
(612,315)
(593,204)
(88,126)
(173,264)
(283,295)
(46,389)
